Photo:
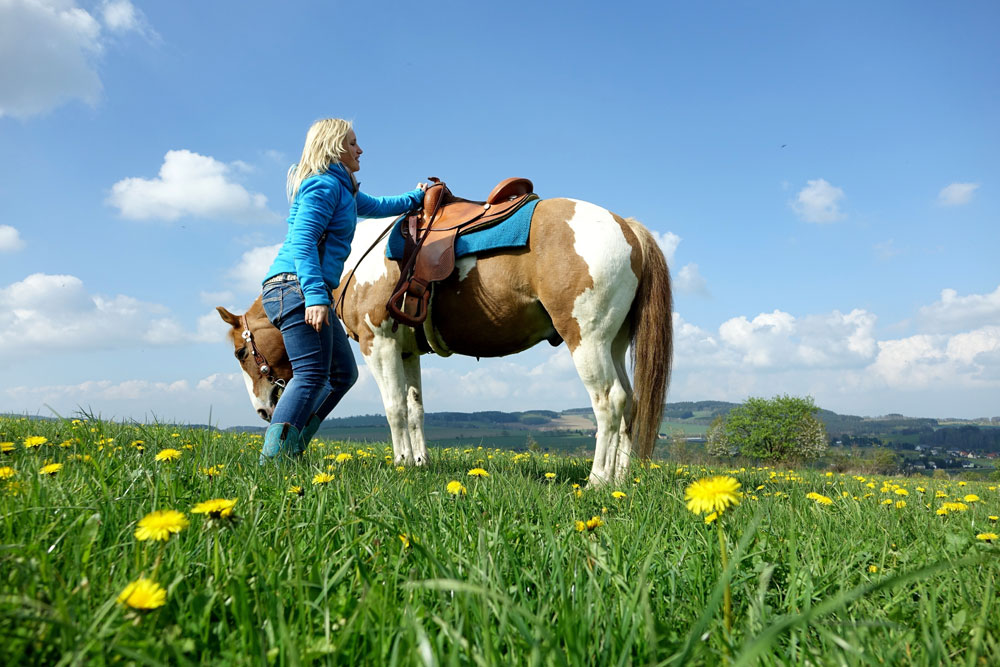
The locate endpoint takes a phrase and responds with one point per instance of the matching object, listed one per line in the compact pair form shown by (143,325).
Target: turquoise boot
(309,430)
(280,439)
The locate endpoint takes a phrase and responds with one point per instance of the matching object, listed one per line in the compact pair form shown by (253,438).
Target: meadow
(152,544)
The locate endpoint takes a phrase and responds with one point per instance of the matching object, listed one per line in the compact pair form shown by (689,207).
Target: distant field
(343,558)
(687,428)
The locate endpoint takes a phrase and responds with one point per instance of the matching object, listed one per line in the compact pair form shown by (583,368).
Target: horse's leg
(595,365)
(415,408)
(627,448)
(385,360)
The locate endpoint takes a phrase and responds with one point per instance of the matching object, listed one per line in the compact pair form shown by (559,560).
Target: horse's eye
(241,353)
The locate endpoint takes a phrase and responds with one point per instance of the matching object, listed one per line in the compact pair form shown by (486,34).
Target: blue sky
(823,178)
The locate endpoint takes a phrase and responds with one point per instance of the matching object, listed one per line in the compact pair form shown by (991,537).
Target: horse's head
(259,348)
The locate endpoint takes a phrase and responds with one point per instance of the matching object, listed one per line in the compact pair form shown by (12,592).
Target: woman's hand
(422,186)
(317,316)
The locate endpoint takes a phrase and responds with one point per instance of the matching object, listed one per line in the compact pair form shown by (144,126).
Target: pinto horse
(589,278)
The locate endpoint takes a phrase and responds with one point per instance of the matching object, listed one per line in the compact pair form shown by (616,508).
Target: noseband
(262,366)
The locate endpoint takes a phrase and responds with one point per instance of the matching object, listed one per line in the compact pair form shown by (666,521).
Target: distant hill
(573,429)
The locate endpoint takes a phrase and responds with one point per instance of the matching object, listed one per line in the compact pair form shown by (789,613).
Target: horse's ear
(229,318)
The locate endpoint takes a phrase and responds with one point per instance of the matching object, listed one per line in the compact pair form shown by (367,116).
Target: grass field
(381,565)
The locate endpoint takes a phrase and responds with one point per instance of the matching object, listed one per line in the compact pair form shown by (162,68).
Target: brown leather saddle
(430,233)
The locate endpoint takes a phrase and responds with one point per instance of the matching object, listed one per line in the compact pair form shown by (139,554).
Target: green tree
(775,429)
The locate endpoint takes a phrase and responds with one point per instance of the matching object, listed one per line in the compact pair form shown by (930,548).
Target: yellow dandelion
(618,495)
(217,508)
(971,498)
(7,472)
(478,472)
(168,455)
(988,537)
(6,447)
(50,469)
(654,466)
(342,457)
(955,507)
(322,478)
(901,492)
(819,498)
(143,594)
(405,540)
(887,501)
(941,511)
(961,483)
(550,475)
(212,471)
(581,526)
(900,504)
(296,491)
(594,522)
(873,568)
(160,525)
(921,489)
(712,494)
(993,518)
(35,441)
(940,494)
(455,488)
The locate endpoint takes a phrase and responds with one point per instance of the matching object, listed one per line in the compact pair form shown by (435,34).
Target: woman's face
(350,158)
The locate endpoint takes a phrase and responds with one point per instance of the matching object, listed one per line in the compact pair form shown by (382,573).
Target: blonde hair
(324,146)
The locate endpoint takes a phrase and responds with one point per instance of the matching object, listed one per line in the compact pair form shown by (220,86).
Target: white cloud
(957,194)
(510,383)
(939,361)
(217,298)
(690,281)
(819,201)
(252,267)
(953,312)
(180,401)
(10,239)
(120,16)
(56,46)
(48,50)
(189,184)
(47,312)
(779,341)
(668,242)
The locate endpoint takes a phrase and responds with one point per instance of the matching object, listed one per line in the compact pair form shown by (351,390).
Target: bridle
(262,366)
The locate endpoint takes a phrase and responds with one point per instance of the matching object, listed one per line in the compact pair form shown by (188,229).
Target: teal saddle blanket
(510,233)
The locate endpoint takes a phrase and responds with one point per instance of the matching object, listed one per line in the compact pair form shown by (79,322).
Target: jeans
(323,366)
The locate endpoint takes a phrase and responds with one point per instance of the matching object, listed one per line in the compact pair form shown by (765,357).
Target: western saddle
(430,233)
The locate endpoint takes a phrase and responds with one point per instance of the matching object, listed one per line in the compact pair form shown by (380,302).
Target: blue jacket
(329,202)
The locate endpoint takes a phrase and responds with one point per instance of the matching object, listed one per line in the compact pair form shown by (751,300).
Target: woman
(325,205)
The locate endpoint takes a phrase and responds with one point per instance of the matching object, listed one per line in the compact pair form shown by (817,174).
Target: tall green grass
(496,576)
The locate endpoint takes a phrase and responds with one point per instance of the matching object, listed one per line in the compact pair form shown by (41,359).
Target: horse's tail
(651,341)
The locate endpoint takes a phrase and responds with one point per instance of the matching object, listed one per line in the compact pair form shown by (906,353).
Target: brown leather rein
(338,308)
(262,366)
